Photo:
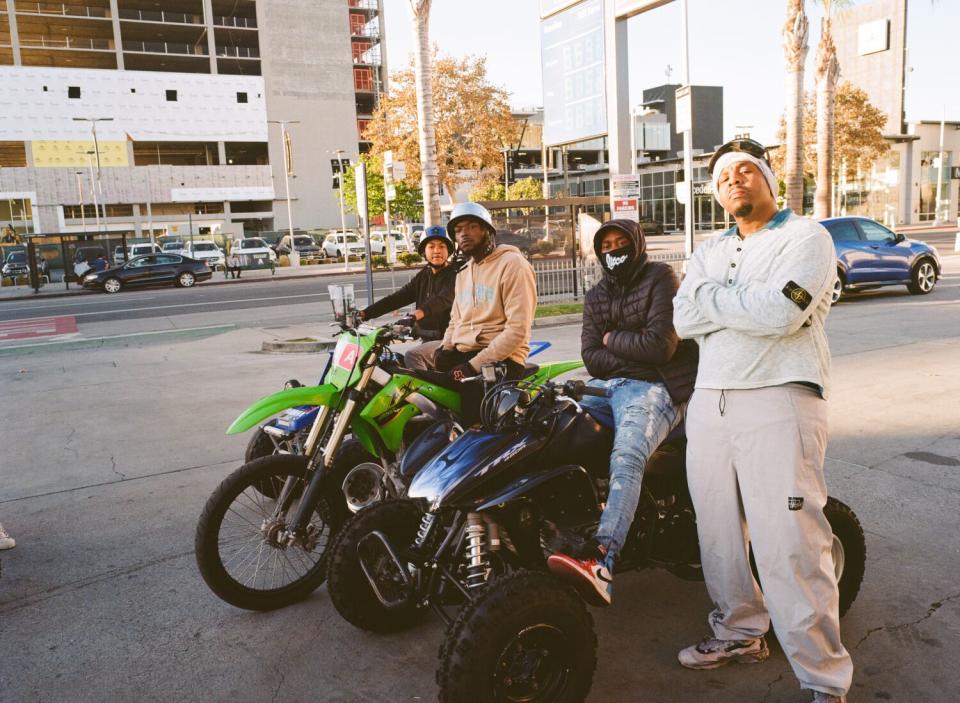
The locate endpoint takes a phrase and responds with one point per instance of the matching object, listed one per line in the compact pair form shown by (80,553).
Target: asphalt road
(272,295)
(109,454)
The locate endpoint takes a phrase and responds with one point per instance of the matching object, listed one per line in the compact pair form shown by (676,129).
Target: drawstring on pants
(723,402)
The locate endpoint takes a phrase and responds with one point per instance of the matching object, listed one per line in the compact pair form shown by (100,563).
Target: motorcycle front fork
(319,462)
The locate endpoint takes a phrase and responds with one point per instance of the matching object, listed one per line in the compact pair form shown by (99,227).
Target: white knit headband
(732,157)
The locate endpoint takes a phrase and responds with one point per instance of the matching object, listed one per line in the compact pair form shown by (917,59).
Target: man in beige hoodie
(493,304)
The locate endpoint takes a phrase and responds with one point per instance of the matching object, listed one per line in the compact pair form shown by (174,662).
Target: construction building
(167,112)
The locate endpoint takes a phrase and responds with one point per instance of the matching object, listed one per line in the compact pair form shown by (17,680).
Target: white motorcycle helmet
(463,211)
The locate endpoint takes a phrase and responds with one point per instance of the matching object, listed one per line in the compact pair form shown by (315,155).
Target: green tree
(526,189)
(407,206)
(471,116)
(857,134)
(487,190)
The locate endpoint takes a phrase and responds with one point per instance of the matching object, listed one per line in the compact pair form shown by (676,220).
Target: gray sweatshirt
(757,306)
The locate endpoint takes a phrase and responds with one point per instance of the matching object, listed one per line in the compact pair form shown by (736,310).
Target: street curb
(213,282)
(67,344)
(312,346)
(574,318)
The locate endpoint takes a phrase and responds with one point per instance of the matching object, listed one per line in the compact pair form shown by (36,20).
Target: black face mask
(617,262)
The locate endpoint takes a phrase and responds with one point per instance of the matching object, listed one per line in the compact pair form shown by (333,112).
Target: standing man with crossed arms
(756,299)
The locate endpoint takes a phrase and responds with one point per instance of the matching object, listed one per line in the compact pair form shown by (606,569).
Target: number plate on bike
(345,355)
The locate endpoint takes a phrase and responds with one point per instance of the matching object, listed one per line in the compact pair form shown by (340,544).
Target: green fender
(326,394)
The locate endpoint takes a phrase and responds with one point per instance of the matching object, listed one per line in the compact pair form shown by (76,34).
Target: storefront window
(16,214)
(928,185)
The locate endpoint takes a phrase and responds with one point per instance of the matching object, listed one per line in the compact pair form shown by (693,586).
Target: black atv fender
(564,495)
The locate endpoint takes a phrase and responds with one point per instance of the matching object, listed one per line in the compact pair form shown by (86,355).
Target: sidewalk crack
(113,467)
(934,607)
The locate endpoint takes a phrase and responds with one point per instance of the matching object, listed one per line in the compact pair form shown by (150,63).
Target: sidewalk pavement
(59,290)
(110,455)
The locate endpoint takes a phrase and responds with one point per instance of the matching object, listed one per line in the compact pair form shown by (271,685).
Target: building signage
(873,37)
(552,7)
(955,172)
(572,60)
(625,197)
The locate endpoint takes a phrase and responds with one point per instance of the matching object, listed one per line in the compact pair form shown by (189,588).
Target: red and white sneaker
(711,653)
(590,576)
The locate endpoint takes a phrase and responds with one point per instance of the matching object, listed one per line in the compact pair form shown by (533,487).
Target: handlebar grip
(595,392)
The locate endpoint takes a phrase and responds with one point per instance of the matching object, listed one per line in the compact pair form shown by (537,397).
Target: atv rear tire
(528,636)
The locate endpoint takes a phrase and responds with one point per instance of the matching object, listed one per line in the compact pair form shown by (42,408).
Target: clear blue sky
(734,43)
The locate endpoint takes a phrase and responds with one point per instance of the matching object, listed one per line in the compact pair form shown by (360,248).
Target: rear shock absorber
(477,564)
(426,522)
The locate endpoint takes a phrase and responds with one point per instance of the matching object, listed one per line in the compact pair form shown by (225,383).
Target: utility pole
(293,256)
(360,176)
(83,218)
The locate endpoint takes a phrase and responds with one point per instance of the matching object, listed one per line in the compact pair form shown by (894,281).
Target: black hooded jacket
(638,314)
(431,292)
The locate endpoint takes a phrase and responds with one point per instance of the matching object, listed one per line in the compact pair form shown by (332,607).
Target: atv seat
(605,417)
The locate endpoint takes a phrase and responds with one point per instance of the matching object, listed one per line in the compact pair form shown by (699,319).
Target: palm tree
(827,74)
(795,52)
(420,14)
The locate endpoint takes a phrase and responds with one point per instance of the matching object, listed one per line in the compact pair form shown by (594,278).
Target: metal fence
(564,279)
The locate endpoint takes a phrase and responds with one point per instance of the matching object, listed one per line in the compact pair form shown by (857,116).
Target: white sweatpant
(755,468)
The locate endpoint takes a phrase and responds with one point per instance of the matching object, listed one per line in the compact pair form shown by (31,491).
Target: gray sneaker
(821,697)
(6,541)
(711,653)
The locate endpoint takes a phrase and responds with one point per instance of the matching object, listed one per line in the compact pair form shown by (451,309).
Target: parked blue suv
(869,256)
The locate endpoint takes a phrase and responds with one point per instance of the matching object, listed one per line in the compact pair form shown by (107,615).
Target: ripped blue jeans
(643,415)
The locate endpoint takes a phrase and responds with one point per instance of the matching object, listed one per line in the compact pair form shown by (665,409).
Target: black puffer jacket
(638,314)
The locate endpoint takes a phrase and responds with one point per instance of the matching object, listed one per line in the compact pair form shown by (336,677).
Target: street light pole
(96,145)
(293,257)
(936,218)
(83,218)
(343,218)
(687,141)
(93,187)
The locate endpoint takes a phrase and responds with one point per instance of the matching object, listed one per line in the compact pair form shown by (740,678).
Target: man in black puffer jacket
(631,349)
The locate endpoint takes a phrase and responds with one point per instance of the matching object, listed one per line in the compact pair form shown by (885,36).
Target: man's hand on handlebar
(462,371)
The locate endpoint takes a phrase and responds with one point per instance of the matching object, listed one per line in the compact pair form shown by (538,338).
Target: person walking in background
(756,300)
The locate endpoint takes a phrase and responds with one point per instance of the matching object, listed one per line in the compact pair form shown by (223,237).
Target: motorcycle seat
(530,369)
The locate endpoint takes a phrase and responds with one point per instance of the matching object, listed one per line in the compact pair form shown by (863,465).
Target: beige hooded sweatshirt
(493,308)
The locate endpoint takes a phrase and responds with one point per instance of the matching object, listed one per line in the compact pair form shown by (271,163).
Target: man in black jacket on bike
(432,292)
(632,351)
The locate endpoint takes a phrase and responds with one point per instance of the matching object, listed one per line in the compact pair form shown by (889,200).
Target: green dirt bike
(262,538)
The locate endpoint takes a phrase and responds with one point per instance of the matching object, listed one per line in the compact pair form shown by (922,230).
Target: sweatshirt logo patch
(614,261)
(800,297)
(794,503)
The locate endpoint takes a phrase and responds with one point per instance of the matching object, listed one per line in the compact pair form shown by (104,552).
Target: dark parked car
(305,245)
(524,244)
(15,264)
(151,270)
(869,256)
(649,227)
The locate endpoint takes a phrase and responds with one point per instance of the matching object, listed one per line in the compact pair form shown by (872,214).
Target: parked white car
(134,250)
(378,242)
(175,247)
(204,250)
(336,243)
(254,250)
